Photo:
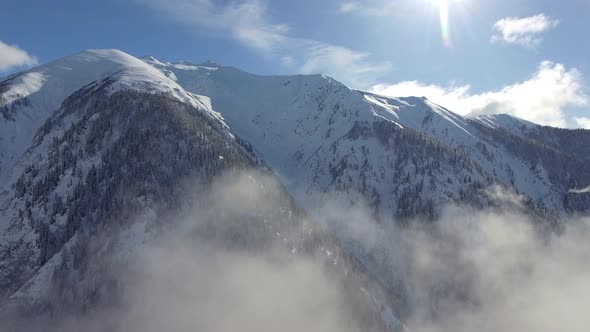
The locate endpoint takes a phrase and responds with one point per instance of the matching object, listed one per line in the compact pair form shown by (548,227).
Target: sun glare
(443,9)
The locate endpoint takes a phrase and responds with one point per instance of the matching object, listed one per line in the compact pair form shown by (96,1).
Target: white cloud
(582,122)
(542,98)
(525,31)
(12,56)
(246,22)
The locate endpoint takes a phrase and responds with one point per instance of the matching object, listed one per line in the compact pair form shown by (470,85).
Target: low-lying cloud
(186,289)
(234,260)
(496,271)
(472,270)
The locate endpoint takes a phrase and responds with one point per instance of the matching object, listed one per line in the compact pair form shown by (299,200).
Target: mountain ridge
(89,140)
(265,110)
(416,113)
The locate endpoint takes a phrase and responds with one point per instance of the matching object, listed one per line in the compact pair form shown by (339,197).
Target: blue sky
(529,58)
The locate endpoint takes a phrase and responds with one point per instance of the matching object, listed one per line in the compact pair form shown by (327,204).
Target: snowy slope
(317,134)
(28,99)
(122,143)
(302,126)
(31,103)
(507,122)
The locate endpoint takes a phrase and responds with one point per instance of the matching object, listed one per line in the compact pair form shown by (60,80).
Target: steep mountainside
(405,156)
(28,99)
(102,154)
(113,168)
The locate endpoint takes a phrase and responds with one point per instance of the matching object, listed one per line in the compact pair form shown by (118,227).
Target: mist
(498,272)
(496,269)
(236,261)
(184,289)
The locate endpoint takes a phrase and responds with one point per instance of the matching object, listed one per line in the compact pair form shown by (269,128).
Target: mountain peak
(32,96)
(74,71)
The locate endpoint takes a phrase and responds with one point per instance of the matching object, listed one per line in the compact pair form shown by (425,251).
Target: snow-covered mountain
(113,168)
(405,156)
(104,143)
(28,99)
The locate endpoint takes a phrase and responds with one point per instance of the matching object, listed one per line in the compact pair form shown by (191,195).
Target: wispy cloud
(524,31)
(542,98)
(244,21)
(12,56)
(247,23)
(369,7)
(354,65)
